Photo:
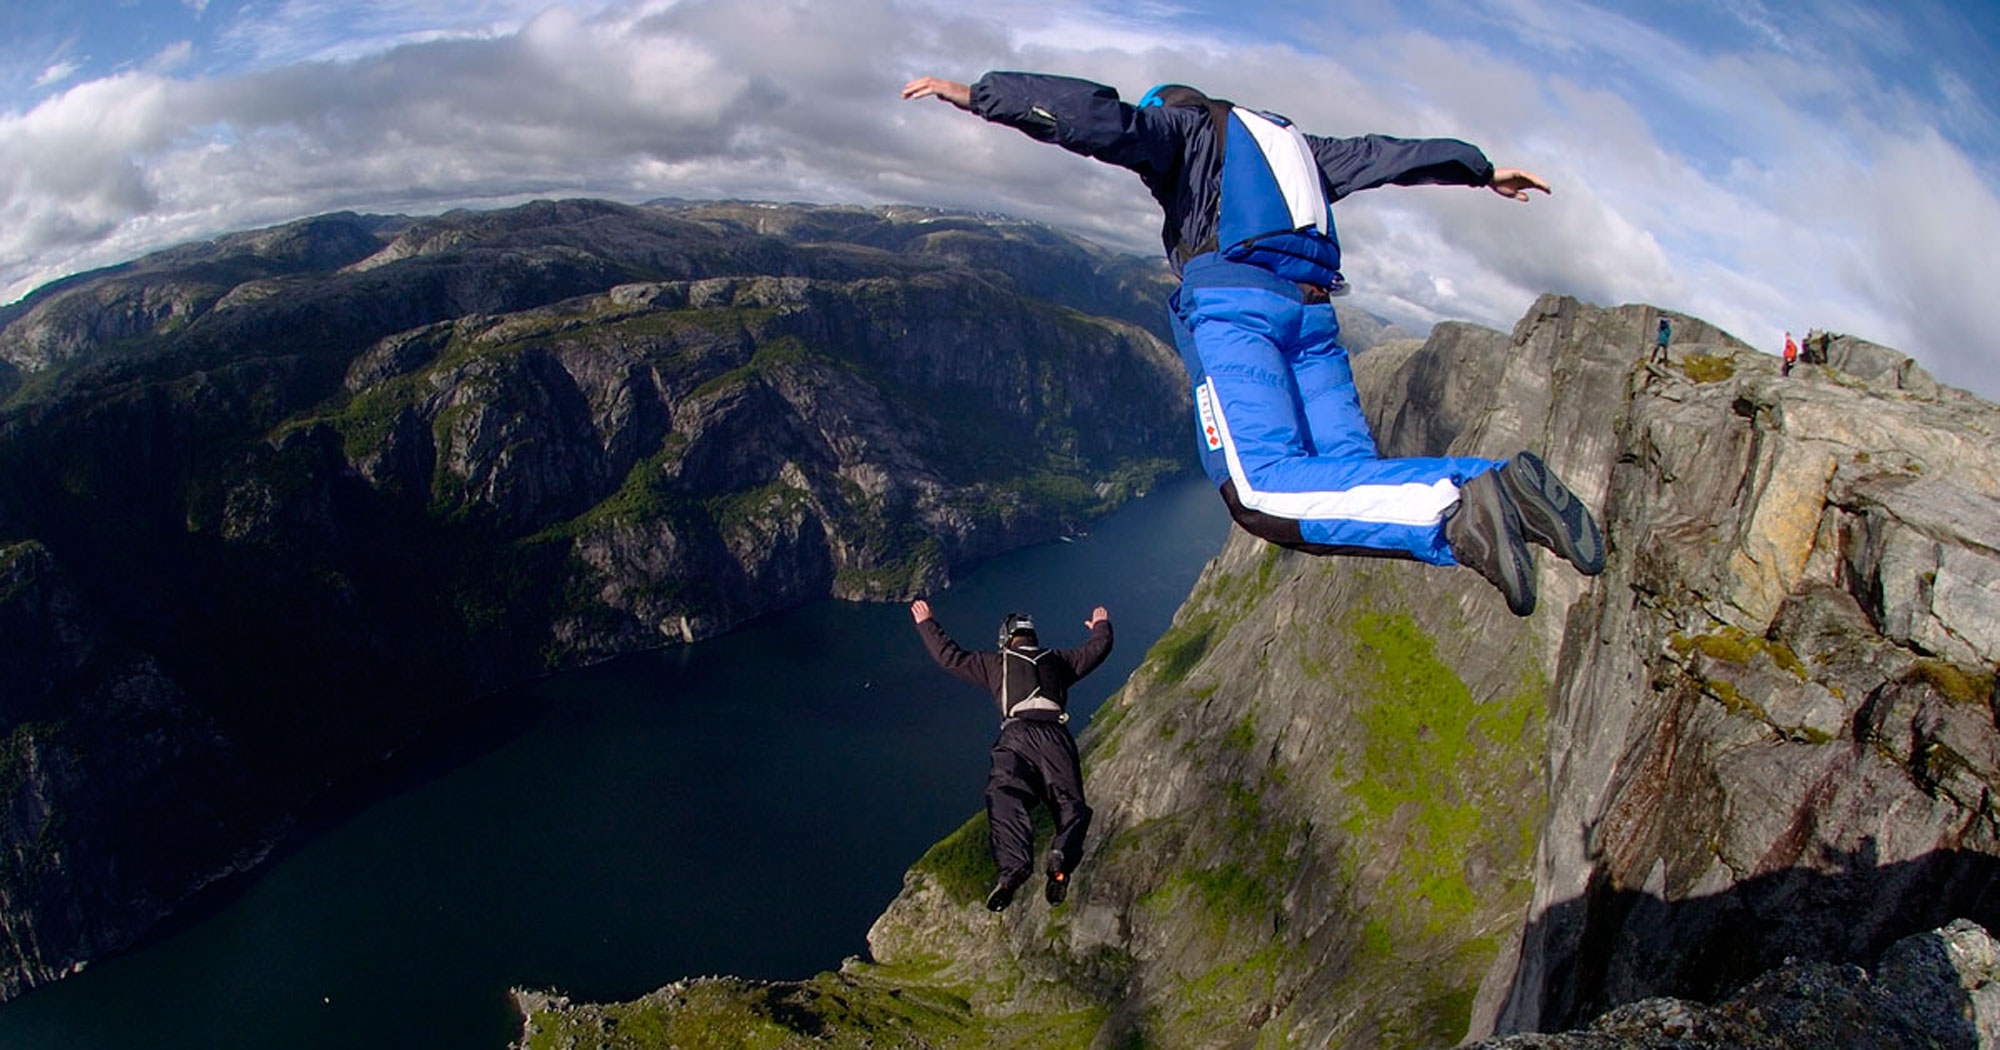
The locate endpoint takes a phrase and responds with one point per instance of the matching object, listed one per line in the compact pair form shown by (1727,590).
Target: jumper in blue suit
(1249,228)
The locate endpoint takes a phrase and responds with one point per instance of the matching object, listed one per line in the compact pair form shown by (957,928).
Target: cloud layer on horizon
(1756,188)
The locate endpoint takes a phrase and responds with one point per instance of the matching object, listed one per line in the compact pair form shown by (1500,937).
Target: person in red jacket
(1791,354)
(1034,758)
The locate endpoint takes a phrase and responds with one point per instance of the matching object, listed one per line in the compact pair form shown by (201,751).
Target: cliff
(271,504)
(1355,803)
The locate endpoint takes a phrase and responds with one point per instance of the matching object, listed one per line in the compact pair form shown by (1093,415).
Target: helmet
(1016,624)
(1172,95)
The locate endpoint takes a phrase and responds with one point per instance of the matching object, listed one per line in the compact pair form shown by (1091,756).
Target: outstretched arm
(1079,115)
(973,667)
(1364,162)
(1084,658)
(1368,161)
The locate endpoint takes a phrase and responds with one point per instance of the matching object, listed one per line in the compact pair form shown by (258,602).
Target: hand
(1097,616)
(1514,184)
(937,87)
(920,610)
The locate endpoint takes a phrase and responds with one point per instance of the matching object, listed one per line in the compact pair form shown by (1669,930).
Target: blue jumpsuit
(1248,227)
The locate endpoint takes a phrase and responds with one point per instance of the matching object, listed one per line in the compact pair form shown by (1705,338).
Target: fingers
(1514,184)
(920,610)
(938,87)
(1528,180)
(925,87)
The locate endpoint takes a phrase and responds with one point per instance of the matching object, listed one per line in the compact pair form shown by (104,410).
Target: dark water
(745,806)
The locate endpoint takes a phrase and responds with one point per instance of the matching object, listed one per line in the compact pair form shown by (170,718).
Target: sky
(1766,167)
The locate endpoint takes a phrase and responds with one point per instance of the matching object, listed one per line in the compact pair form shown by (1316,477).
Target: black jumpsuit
(1034,758)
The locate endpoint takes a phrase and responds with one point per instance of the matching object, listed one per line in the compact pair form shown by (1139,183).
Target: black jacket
(1173,149)
(983,668)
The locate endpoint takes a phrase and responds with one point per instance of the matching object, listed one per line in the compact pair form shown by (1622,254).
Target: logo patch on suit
(1204,403)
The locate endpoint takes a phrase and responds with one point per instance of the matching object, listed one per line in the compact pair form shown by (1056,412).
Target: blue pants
(1279,419)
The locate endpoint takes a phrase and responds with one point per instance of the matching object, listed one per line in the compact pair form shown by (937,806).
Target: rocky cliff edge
(1354,803)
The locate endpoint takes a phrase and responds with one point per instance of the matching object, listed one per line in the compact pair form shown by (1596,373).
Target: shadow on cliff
(1616,945)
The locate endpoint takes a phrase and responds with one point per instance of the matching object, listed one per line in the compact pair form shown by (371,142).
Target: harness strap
(1034,701)
(1218,119)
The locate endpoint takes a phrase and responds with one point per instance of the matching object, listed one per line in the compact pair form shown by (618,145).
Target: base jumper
(1034,758)
(1249,229)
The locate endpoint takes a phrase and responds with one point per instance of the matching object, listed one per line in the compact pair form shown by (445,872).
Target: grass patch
(1954,683)
(1432,761)
(776,500)
(1217,1000)
(905,575)
(12,555)
(1737,646)
(1707,368)
(1243,735)
(1100,740)
(833,1011)
(1180,648)
(962,862)
(770,356)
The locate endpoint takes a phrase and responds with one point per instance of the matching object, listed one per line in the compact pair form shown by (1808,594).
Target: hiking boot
(1057,888)
(1002,895)
(1485,536)
(1551,514)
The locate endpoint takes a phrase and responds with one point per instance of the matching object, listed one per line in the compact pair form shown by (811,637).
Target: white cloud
(1760,22)
(174,56)
(56,73)
(74,180)
(1758,189)
(1930,220)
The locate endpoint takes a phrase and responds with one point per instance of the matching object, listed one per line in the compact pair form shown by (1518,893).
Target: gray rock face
(1354,803)
(1936,990)
(1772,738)
(78,317)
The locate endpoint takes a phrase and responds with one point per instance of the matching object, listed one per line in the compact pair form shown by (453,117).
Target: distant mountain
(270,504)
(1354,803)
(1361,330)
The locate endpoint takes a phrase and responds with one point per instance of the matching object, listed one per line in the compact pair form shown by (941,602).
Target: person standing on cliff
(1791,355)
(1034,758)
(1249,229)
(1660,340)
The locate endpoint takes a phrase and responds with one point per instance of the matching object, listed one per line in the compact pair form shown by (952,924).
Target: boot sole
(1553,515)
(1519,580)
